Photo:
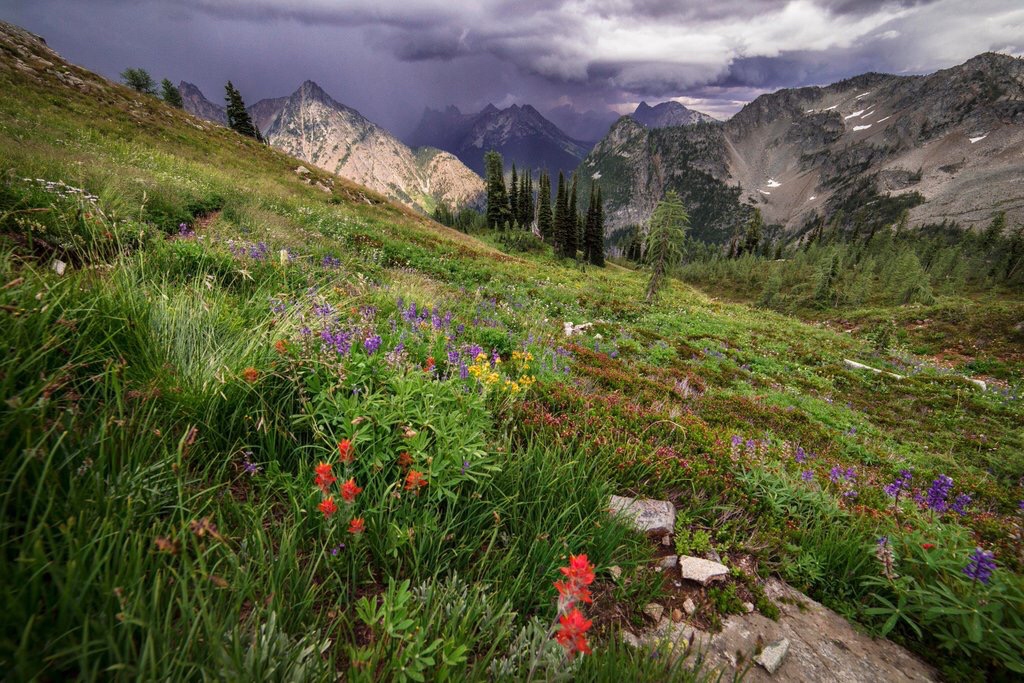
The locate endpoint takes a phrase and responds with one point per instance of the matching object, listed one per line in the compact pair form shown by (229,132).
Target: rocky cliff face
(667,114)
(956,137)
(197,104)
(311,126)
(520,134)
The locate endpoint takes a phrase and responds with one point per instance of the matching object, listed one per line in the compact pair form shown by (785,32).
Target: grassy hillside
(223,323)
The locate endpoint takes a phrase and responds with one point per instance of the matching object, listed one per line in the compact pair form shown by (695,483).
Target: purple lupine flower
(409,315)
(980,565)
(850,494)
(330,261)
(852,431)
(614,353)
(463,370)
(465,466)
(750,445)
(368,313)
(473,350)
(1020,505)
(305,331)
(251,468)
(737,440)
(453,356)
(278,306)
(960,504)
(800,454)
(850,474)
(372,343)
(836,474)
(938,493)
(323,310)
(900,483)
(336,549)
(807,475)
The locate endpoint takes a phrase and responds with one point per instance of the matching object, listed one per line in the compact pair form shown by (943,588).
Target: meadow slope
(222,323)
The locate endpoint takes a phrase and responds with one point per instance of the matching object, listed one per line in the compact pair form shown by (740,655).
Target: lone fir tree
(238,118)
(663,247)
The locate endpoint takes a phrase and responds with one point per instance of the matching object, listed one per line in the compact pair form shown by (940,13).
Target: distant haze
(390,58)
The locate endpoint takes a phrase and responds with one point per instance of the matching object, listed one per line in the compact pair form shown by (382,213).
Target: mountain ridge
(520,133)
(801,155)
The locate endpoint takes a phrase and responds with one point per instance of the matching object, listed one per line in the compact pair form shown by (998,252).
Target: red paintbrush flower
(324,478)
(571,635)
(356,526)
(579,570)
(345,451)
(328,507)
(414,481)
(349,491)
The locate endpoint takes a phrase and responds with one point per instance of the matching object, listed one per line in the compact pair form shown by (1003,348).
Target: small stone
(689,607)
(654,611)
(645,515)
(749,607)
(771,657)
(668,562)
(59,266)
(713,555)
(615,571)
(677,615)
(631,640)
(702,571)
(302,170)
(666,540)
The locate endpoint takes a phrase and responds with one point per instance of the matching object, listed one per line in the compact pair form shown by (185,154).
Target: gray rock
(646,515)
(702,571)
(615,571)
(666,540)
(654,611)
(748,607)
(713,555)
(630,639)
(668,562)
(771,657)
(59,266)
(689,607)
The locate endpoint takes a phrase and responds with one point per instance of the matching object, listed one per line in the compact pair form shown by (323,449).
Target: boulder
(702,571)
(646,515)
(771,656)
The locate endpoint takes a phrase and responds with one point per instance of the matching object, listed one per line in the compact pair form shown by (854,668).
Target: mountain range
(948,146)
(519,133)
(312,126)
(668,114)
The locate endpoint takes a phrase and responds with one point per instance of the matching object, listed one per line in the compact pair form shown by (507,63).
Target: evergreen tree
(170,94)
(545,223)
(497,195)
(600,222)
(593,234)
(561,211)
(526,201)
(513,194)
(665,236)
(572,219)
(238,118)
(139,80)
(752,237)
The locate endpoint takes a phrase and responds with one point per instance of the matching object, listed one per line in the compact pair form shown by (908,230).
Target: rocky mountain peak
(667,114)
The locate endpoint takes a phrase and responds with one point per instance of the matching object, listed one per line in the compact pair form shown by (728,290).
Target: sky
(390,58)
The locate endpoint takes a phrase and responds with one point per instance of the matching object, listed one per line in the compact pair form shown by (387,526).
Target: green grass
(167,398)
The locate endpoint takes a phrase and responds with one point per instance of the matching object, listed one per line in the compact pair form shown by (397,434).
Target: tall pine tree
(238,118)
(593,239)
(525,202)
(561,215)
(545,222)
(513,196)
(598,259)
(570,229)
(497,195)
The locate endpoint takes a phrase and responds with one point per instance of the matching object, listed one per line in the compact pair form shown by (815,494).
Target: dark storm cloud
(390,57)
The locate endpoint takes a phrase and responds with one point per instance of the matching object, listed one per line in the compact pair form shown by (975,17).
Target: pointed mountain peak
(643,106)
(489,109)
